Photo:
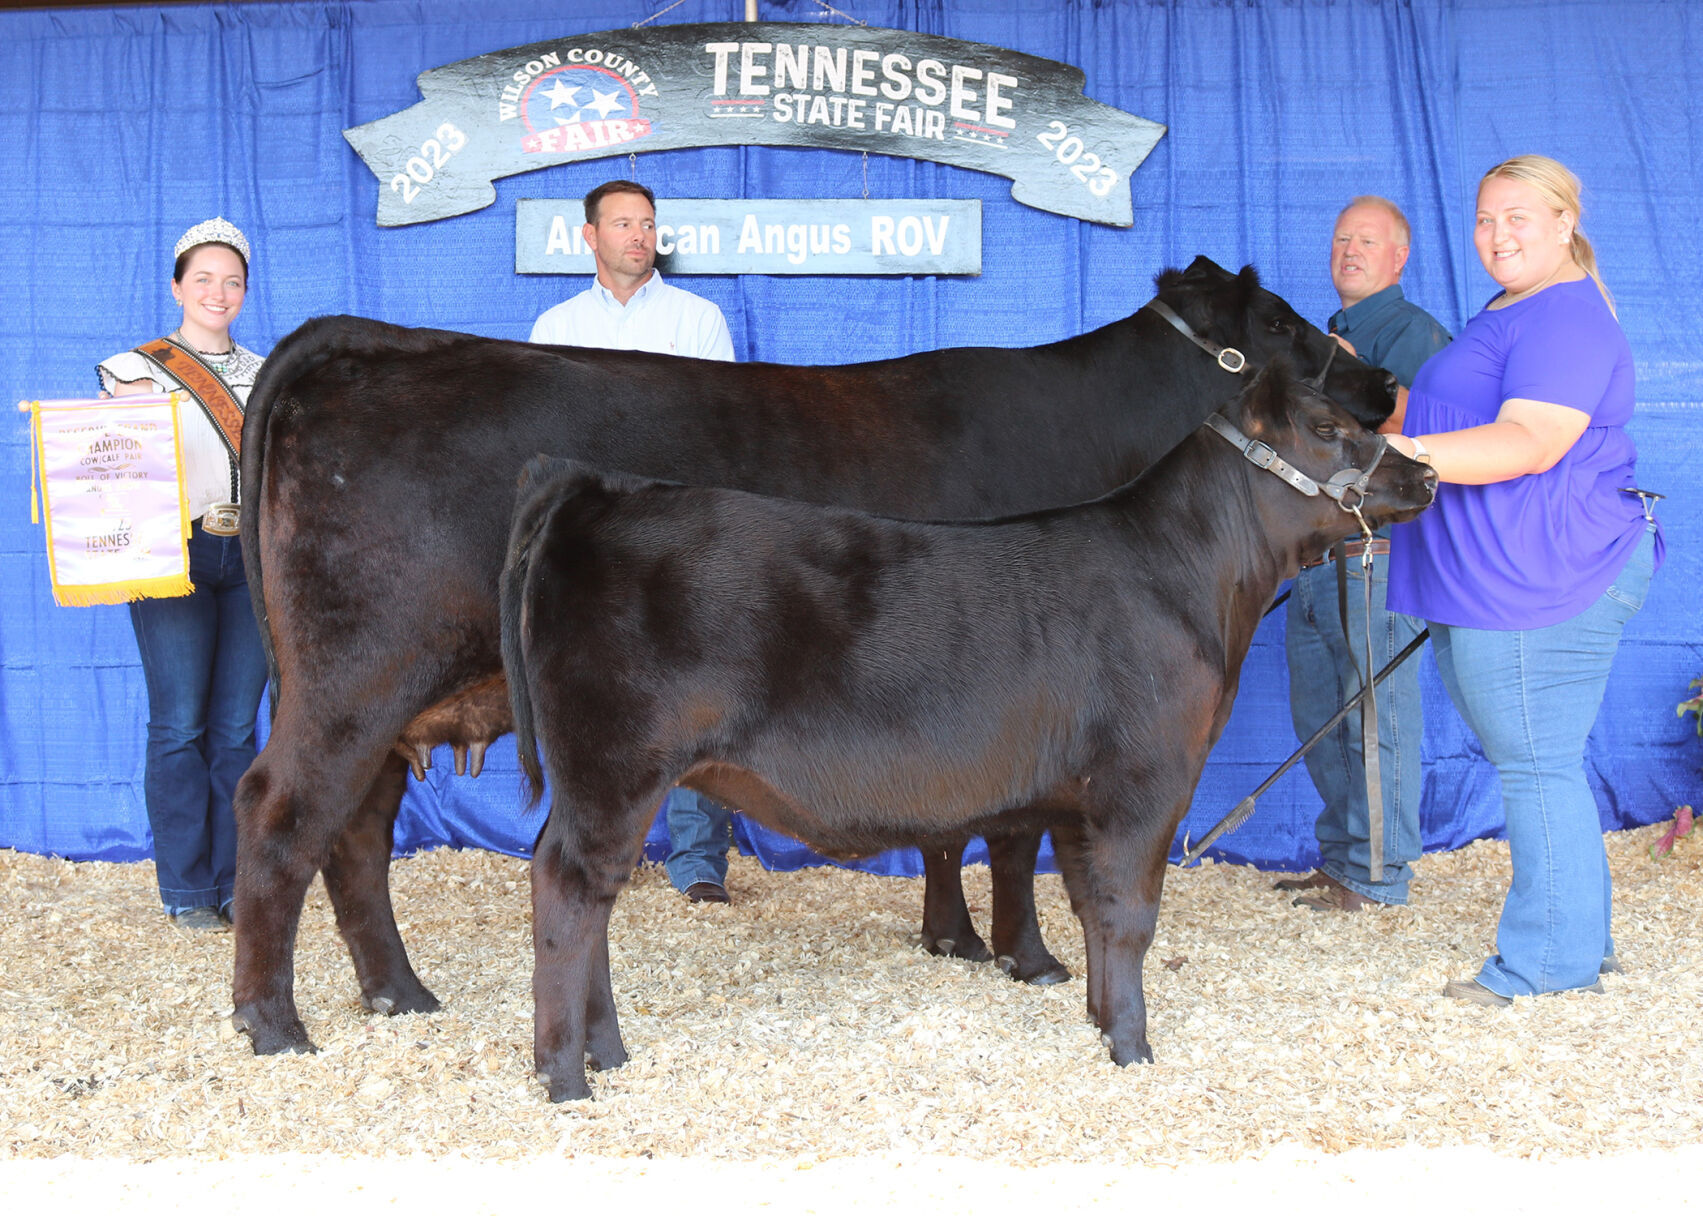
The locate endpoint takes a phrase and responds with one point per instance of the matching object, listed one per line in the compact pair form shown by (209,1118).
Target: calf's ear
(1268,395)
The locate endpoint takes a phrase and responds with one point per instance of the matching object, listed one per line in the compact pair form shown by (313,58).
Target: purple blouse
(1543,547)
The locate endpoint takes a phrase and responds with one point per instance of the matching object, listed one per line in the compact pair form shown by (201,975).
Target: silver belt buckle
(221,519)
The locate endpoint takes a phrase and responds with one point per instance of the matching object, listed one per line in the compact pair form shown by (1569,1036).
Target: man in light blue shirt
(629,307)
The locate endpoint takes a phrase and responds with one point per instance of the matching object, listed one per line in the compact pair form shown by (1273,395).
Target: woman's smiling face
(212,289)
(1522,241)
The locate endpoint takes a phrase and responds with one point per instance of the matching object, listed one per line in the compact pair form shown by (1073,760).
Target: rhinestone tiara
(216,229)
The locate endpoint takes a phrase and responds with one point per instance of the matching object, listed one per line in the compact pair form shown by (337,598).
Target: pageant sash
(204,385)
(111,493)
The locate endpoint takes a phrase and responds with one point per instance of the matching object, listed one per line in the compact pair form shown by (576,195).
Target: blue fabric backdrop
(120,127)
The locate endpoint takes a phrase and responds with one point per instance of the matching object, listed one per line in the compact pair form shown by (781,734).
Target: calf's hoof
(565,1089)
(1135,1051)
(602,1059)
(396,999)
(970,947)
(1042,973)
(291,1038)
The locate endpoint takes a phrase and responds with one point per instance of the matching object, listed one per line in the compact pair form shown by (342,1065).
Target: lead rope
(1370,755)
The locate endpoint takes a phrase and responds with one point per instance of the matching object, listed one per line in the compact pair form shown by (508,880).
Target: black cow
(856,681)
(379,467)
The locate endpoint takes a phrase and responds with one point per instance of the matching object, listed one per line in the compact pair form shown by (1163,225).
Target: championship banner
(112,497)
(854,88)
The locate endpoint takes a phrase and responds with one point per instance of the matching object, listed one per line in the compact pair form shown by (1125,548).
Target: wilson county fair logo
(592,100)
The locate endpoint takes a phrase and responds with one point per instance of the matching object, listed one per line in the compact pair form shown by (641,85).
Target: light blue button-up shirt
(658,317)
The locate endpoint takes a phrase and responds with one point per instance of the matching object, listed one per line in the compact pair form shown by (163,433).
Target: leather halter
(1228,357)
(1263,456)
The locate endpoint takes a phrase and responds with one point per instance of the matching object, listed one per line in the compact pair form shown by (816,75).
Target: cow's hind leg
(946,925)
(357,877)
(287,816)
(1017,942)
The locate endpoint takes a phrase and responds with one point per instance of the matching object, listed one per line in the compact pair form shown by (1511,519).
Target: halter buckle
(1231,359)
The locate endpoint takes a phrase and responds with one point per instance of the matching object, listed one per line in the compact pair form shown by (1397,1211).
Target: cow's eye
(1327,430)
(1277,325)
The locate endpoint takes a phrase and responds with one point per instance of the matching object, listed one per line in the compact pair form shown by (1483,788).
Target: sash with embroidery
(207,388)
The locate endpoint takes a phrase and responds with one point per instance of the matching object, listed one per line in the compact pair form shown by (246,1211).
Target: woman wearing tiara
(201,653)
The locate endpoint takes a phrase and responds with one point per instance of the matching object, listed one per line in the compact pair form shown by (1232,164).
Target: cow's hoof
(291,1039)
(394,1000)
(1043,974)
(971,948)
(568,1089)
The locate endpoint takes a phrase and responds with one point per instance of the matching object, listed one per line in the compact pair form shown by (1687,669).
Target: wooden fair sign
(854,88)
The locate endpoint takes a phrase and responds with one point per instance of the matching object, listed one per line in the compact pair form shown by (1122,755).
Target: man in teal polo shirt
(1382,327)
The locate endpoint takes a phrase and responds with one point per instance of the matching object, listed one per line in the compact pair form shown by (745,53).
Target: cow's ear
(1167,279)
(1248,284)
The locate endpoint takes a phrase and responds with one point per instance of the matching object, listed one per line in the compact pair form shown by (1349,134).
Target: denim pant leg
(239,679)
(699,830)
(1323,675)
(1532,696)
(202,662)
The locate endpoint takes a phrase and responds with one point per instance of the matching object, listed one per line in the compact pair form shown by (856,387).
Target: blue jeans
(1322,677)
(699,831)
(1531,696)
(205,671)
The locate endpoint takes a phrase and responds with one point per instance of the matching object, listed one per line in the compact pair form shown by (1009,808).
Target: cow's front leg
(357,877)
(946,925)
(574,1022)
(1017,942)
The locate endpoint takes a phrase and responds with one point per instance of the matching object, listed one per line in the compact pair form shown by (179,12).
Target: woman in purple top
(1533,558)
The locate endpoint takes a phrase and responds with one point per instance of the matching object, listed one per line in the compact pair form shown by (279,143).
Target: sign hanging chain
(658,13)
(823,4)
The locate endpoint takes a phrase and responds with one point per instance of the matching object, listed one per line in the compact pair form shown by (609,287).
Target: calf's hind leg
(357,877)
(574,886)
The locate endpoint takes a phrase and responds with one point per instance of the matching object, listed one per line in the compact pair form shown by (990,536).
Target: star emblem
(605,102)
(562,95)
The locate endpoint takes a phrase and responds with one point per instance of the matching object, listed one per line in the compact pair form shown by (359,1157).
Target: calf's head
(1233,310)
(1328,475)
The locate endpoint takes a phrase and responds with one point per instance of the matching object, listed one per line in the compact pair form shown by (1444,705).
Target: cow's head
(1233,310)
(1333,478)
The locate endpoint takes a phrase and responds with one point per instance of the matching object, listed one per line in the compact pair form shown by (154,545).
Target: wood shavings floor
(802,1029)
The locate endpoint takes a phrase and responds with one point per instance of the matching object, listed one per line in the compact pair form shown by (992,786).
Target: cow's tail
(534,506)
(303,351)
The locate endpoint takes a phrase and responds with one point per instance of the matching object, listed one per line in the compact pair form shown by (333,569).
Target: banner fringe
(90,595)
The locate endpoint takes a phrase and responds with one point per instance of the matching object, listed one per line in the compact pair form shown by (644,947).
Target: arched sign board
(854,88)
